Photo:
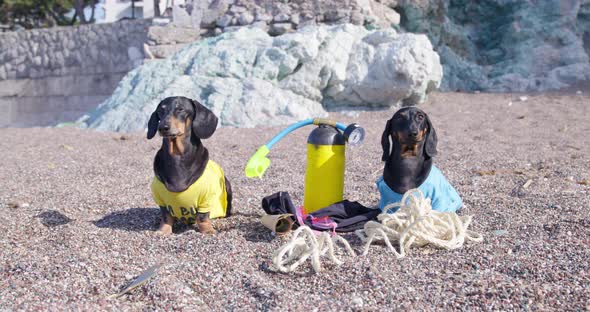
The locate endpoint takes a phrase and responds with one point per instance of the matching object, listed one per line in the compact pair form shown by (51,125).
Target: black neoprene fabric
(349,216)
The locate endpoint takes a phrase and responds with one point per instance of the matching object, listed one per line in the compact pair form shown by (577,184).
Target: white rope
(305,244)
(416,224)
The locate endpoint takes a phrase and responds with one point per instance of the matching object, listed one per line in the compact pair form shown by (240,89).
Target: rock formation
(505,45)
(250,78)
(489,45)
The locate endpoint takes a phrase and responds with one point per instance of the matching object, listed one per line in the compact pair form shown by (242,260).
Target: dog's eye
(420,117)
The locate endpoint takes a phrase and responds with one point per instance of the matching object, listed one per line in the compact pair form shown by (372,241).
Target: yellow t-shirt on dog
(207,194)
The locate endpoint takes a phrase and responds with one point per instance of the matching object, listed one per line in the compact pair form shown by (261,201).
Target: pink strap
(322,222)
(300,215)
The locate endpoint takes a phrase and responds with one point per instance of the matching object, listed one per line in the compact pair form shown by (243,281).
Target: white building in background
(115,10)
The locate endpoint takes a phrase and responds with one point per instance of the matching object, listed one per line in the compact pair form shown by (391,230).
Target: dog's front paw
(164,230)
(206,228)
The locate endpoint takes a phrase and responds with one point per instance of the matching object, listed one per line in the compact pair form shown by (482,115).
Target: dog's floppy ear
(385,141)
(431,140)
(204,121)
(153,125)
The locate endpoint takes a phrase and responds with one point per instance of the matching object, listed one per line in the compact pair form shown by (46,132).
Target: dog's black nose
(414,133)
(164,127)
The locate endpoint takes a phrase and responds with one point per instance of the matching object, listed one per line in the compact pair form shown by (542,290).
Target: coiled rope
(304,244)
(416,224)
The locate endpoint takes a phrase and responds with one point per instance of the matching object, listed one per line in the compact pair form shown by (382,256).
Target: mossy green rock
(505,45)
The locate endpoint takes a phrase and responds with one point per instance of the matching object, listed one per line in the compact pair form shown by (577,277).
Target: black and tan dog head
(411,134)
(178,116)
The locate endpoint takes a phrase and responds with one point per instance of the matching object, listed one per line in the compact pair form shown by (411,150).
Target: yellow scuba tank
(324,176)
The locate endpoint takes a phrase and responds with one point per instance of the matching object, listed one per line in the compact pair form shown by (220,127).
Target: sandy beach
(78,219)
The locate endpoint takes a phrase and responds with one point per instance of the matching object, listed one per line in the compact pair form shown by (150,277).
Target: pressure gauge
(354,134)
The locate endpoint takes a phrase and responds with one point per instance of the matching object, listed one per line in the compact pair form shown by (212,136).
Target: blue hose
(288,130)
(294,127)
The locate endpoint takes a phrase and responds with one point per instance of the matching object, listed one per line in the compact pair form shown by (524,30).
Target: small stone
(357,301)
(21,70)
(279,29)
(261,25)
(295,19)
(281,18)
(18,204)
(500,232)
(336,15)
(357,18)
(392,18)
(555,206)
(579,92)
(523,98)
(237,9)
(37,60)
(224,21)
(245,18)
(67,147)
(262,17)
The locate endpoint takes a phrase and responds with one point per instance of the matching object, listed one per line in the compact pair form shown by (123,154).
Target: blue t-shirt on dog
(442,194)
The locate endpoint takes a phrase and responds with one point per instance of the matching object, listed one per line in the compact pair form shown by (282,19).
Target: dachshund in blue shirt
(409,145)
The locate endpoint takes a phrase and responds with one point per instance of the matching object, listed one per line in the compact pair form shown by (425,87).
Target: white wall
(118,9)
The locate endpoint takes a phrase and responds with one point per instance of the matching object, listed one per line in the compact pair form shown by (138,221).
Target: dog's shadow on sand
(257,233)
(132,219)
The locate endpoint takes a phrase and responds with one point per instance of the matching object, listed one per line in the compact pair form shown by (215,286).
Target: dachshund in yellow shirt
(188,186)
